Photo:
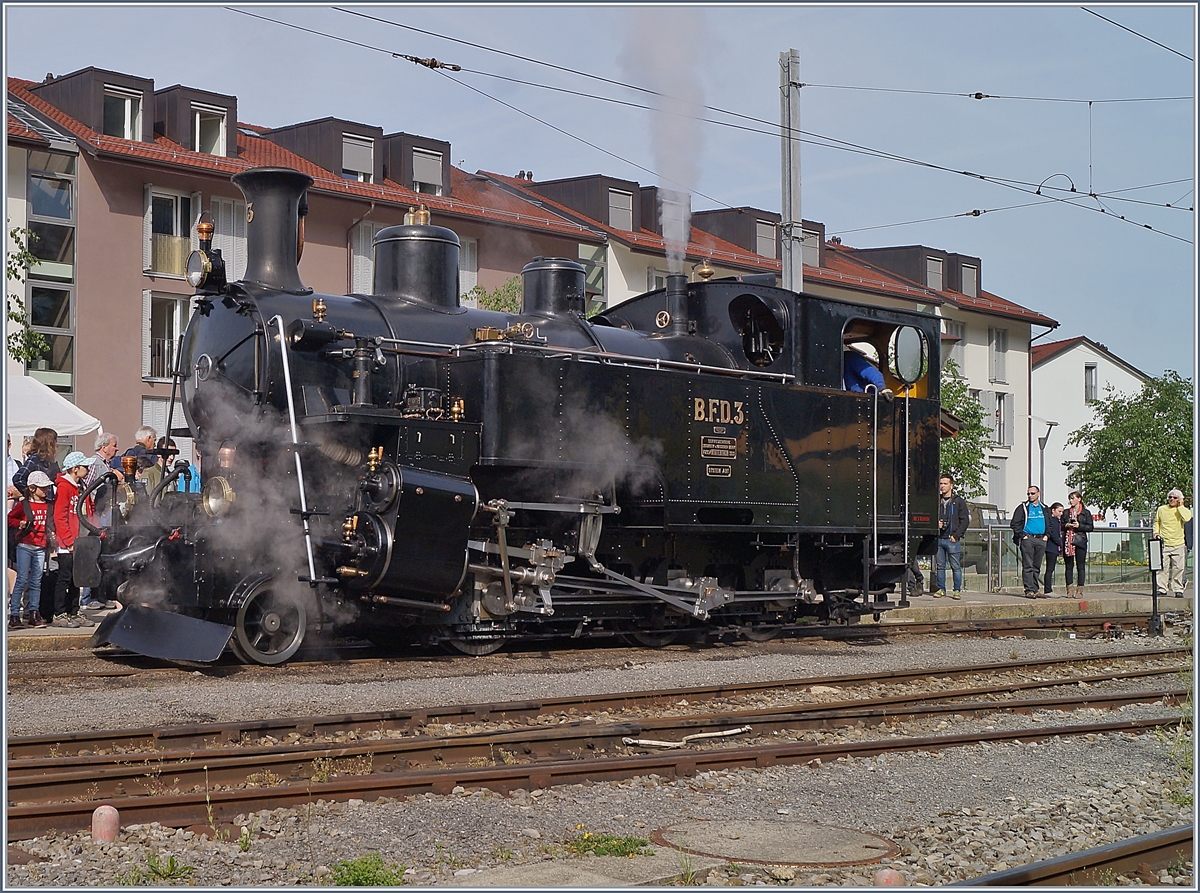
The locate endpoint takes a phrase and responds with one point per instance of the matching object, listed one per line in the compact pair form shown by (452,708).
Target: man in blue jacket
(1030,528)
(954,517)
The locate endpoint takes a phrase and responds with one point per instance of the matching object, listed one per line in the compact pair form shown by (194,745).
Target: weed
(688,876)
(171,870)
(248,834)
(446,857)
(264,779)
(53,750)
(1012,655)
(322,770)
(607,845)
(134,877)
(368,871)
(1104,877)
(212,819)
(503,854)
(1180,748)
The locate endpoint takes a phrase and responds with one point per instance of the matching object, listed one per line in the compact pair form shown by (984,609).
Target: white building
(1068,376)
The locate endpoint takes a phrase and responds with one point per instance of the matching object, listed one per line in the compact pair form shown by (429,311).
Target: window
(208,129)
(620,209)
(154,414)
(655,279)
(362,258)
(955,349)
(427,172)
(229,235)
(56,367)
(468,268)
(54,247)
(358,157)
(122,113)
(996,480)
(167,230)
(50,315)
(810,248)
(49,307)
(164,317)
(1091,387)
(933,273)
(1004,419)
(997,354)
(592,258)
(765,231)
(970,280)
(49,196)
(51,162)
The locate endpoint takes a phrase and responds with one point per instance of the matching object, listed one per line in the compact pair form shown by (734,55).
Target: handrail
(287,385)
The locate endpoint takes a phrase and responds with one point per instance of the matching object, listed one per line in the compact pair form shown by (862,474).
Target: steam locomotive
(402,468)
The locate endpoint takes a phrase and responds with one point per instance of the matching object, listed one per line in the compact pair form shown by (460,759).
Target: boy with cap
(28,523)
(66,527)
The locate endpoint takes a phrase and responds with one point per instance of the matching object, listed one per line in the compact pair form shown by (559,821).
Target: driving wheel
(268,628)
(473,647)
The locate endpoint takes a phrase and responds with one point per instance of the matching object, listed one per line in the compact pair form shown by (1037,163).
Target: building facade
(1069,377)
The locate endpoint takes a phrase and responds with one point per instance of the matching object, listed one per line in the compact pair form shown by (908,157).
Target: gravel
(953,814)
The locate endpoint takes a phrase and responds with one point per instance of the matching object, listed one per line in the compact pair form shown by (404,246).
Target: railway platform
(922,609)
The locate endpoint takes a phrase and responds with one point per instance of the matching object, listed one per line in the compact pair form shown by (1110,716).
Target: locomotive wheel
(474,647)
(761,633)
(652,639)
(267,629)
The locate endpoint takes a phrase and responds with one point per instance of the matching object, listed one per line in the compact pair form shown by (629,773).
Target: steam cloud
(661,53)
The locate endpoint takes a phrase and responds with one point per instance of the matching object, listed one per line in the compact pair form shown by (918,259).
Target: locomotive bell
(553,285)
(418,263)
(274,196)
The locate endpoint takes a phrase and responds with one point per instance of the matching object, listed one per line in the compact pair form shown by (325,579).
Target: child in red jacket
(66,527)
(29,521)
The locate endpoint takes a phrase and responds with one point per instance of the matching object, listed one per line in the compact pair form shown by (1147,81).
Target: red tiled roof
(17,130)
(479,200)
(986,302)
(702,244)
(1041,352)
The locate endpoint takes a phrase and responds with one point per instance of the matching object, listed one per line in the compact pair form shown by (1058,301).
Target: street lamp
(1042,441)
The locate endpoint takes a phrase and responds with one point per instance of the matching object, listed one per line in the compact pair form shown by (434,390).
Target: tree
(506,297)
(24,344)
(963,454)
(1139,448)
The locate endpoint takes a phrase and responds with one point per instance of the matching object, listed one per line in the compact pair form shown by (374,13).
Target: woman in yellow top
(1168,524)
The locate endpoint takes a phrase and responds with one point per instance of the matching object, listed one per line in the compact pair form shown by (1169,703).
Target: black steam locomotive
(399,467)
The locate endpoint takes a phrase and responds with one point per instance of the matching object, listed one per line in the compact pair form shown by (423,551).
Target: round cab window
(907,357)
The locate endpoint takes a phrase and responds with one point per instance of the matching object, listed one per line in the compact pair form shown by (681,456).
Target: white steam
(663,52)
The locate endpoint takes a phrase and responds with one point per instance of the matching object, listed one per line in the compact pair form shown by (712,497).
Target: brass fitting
(374,457)
(350,572)
(349,528)
(457,408)
(319,309)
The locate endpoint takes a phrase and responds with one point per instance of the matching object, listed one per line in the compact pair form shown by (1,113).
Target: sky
(892,79)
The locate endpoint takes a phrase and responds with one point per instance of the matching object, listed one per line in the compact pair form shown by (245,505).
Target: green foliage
(368,871)
(608,845)
(506,298)
(1139,447)
(24,344)
(963,454)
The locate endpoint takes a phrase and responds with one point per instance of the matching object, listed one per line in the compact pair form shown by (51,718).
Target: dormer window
(765,232)
(427,172)
(810,248)
(208,129)
(970,281)
(620,209)
(933,273)
(122,113)
(358,157)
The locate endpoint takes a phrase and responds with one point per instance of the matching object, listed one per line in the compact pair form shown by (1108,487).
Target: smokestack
(677,304)
(273,199)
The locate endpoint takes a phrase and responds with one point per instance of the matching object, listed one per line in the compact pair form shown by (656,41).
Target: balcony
(162,357)
(169,254)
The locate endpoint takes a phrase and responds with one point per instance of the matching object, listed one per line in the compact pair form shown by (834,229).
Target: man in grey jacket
(954,517)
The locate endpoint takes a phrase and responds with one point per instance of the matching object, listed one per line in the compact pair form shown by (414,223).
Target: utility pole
(791,231)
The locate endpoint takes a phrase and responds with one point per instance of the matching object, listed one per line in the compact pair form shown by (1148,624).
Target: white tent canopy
(30,405)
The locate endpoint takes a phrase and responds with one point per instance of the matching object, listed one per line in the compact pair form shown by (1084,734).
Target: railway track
(117,663)
(1138,857)
(190,783)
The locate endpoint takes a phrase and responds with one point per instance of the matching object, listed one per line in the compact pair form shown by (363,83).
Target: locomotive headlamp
(198,268)
(225,455)
(217,497)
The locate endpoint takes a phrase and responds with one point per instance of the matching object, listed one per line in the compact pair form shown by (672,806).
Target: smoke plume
(663,53)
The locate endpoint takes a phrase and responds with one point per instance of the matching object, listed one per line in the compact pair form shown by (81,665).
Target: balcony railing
(162,357)
(169,254)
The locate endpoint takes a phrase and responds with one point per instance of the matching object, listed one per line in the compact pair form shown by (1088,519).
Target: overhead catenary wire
(814,139)
(1136,33)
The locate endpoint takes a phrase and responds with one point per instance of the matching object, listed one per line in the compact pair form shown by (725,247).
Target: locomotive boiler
(402,468)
